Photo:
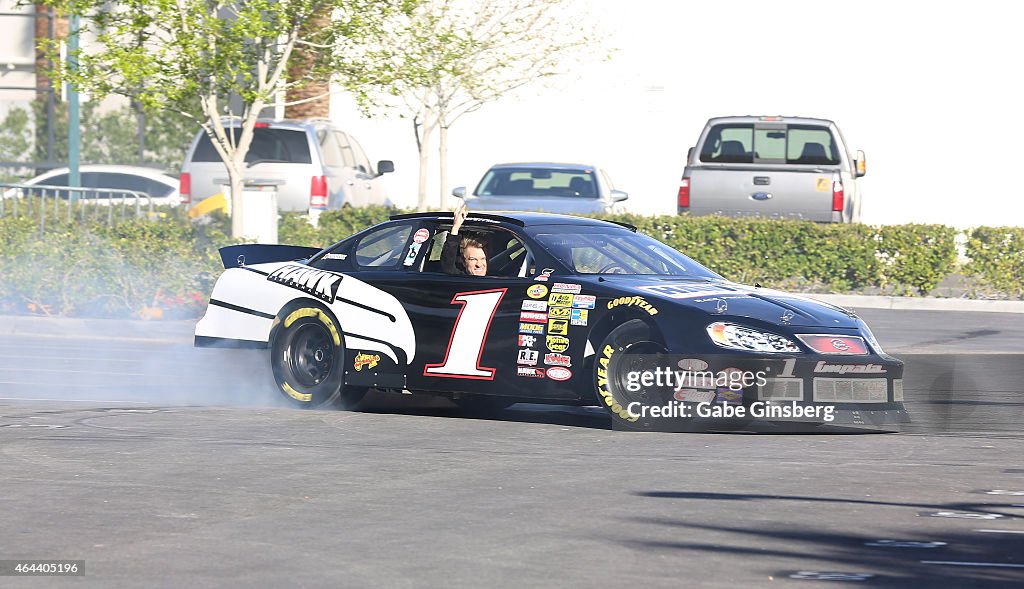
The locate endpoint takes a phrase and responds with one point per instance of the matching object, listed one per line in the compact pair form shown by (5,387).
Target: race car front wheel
(307,357)
(629,348)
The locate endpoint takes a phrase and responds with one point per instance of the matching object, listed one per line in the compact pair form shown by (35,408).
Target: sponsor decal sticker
(566,287)
(335,256)
(318,283)
(728,396)
(537,291)
(579,316)
(535,305)
(692,364)
(530,372)
(694,395)
(532,328)
(559,373)
(367,361)
(584,301)
(560,299)
(559,312)
(557,343)
(557,360)
(633,302)
(414,250)
(527,356)
(421,235)
(686,291)
(527,341)
(558,327)
(826,368)
(544,275)
(533,317)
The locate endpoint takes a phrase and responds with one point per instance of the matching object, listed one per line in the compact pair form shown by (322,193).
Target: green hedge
(996,260)
(166,267)
(134,267)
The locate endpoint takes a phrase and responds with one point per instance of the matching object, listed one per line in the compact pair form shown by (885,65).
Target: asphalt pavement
(162,465)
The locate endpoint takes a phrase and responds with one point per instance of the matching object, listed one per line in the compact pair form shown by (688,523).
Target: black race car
(572,311)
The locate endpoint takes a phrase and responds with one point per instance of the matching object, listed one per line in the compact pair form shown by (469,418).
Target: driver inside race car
(468,250)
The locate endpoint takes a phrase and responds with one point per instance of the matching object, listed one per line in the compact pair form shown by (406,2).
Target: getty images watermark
(699,392)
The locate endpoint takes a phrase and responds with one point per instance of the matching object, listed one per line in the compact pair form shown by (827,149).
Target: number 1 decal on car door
(466,345)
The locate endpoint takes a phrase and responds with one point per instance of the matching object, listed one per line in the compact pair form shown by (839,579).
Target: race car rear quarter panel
(245,302)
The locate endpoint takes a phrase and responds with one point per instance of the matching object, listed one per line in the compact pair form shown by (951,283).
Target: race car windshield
(619,251)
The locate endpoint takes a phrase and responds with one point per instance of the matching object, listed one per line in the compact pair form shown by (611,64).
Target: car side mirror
(619,196)
(459,192)
(860,164)
(385,166)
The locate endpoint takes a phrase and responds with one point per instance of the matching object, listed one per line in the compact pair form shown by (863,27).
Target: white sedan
(98,182)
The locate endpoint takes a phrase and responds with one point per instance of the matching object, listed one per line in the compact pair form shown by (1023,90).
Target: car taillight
(837,195)
(185,188)
(318,192)
(684,193)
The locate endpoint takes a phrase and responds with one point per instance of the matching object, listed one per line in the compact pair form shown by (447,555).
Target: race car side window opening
(383,248)
(615,251)
(782,144)
(507,256)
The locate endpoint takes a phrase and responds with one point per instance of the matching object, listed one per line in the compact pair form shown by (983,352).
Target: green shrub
(166,265)
(996,259)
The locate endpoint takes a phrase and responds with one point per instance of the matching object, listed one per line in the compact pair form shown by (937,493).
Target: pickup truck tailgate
(735,191)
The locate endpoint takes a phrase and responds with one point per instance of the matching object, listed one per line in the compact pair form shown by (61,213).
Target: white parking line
(1001,531)
(974,564)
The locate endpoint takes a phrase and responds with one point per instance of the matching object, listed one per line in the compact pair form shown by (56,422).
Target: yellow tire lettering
(311,312)
(303,397)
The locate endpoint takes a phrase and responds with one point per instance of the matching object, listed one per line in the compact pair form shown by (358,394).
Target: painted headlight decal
(737,337)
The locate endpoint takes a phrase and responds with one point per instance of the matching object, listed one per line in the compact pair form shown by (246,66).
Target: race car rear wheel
(307,357)
(628,348)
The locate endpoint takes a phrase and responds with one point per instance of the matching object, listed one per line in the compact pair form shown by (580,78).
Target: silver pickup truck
(777,167)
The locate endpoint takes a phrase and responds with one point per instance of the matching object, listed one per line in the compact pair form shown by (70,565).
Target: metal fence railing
(54,202)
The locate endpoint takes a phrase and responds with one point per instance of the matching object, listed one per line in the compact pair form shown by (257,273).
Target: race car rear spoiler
(235,256)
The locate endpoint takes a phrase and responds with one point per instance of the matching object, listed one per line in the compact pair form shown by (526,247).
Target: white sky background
(930,91)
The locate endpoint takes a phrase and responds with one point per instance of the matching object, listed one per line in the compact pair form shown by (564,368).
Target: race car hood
(730,299)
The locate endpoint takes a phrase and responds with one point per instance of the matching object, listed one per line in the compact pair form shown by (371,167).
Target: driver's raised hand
(460,215)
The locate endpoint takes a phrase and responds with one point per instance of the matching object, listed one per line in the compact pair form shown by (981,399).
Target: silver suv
(314,164)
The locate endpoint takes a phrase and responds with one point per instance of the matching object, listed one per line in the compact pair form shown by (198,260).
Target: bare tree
(453,56)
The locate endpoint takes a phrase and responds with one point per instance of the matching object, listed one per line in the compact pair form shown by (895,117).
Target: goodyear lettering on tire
(313,312)
(602,386)
(303,397)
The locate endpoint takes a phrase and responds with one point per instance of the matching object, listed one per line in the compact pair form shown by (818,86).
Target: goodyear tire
(307,357)
(629,347)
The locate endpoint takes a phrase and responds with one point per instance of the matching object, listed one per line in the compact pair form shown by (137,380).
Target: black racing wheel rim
(636,357)
(311,357)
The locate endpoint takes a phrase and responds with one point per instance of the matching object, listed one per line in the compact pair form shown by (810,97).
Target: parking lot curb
(918,303)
